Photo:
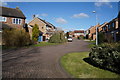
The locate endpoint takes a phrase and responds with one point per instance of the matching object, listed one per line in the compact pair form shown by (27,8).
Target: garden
(103,60)
(17,38)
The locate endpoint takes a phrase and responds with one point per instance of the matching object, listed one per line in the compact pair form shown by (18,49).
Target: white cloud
(27,21)
(80,15)
(44,14)
(3,3)
(37,15)
(60,20)
(100,3)
(41,15)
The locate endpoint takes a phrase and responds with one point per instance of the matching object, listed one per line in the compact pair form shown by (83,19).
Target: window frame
(16,21)
(3,19)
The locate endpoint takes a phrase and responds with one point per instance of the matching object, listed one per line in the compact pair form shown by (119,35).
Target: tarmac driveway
(39,62)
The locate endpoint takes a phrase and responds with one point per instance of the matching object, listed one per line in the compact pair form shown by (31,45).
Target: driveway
(39,62)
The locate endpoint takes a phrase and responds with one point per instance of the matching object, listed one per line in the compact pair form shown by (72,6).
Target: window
(3,19)
(16,21)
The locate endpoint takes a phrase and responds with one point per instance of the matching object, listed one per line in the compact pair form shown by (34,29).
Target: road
(39,62)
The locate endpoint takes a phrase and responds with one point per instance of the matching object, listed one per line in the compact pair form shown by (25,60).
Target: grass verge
(74,64)
(91,44)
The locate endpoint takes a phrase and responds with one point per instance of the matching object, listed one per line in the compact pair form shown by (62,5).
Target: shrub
(106,56)
(57,37)
(35,33)
(15,38)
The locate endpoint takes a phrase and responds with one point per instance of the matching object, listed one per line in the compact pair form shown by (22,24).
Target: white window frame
(19,21)
(3,19)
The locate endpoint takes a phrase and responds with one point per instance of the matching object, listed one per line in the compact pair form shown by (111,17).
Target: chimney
(33,16)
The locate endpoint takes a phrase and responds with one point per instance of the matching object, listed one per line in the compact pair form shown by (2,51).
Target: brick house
(12,17)
(46,28)
(92,32)
(112,30)
(79,33)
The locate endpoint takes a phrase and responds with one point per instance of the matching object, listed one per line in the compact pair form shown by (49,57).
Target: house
(112,30)
(92,32)
(79,33)
(13,17)
(46,28)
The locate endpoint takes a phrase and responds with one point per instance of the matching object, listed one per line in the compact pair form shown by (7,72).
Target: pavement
(39,62)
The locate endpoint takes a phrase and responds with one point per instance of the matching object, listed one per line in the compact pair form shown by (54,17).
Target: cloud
(100,3)
(80,15)
(44,14)
(3,3)
(27,21)
(37,15)
(60,20)
(41,15)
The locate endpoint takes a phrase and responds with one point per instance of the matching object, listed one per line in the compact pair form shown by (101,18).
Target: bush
(57,37)
(15,38)
(35,33)
(106,56)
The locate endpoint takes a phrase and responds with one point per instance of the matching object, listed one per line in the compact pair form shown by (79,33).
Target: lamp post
(96,28)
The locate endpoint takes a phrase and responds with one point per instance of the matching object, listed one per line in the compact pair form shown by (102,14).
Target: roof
(12,12)
(79,31)
(47,23)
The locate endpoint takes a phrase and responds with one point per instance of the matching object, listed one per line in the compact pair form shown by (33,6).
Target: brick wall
(9,22)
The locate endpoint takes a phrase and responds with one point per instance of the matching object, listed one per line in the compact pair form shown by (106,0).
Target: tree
(35,33)
(58,37)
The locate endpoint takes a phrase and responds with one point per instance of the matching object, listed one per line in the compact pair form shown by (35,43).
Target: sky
(68,16)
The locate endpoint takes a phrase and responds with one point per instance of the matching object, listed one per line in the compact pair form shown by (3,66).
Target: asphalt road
(39,62)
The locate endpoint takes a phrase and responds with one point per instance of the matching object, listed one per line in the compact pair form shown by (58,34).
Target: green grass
(45,44)
(74,64)
(91,44)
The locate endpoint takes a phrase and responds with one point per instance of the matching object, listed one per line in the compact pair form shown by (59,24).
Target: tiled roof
(79,31)
(47,23)
(11,12)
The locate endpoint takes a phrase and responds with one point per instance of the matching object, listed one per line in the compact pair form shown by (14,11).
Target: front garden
(103,61)
(79,66)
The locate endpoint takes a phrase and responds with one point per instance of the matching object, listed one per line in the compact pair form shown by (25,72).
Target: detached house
(12,17)
(46,28)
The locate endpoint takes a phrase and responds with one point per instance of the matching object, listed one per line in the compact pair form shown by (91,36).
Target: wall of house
(92,33)
(41,25)
(78,34)
(9,22)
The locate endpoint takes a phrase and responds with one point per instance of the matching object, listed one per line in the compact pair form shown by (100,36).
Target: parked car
(70,39)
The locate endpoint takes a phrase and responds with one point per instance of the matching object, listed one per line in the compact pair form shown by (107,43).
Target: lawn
(74,64)
(91,44)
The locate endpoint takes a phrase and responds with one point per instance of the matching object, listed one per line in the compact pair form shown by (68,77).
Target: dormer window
(16,21)
(3,19)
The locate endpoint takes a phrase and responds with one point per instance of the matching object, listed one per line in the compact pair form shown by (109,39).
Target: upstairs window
(3,19)
(16,21)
